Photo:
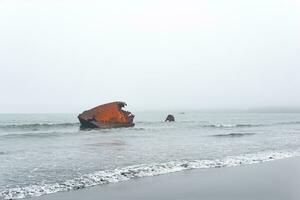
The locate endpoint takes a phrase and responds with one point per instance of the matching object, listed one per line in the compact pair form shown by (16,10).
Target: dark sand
(276,180)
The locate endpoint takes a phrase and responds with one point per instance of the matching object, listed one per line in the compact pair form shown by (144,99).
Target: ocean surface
(47,153)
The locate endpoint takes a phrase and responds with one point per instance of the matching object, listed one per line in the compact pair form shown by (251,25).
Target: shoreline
(278,179)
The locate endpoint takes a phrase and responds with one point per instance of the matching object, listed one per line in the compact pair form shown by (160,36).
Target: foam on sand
(138,171)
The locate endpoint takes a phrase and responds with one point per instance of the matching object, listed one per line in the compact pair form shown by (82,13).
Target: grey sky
(69,55)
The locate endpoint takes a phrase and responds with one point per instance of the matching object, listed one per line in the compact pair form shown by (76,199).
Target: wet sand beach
(274,180)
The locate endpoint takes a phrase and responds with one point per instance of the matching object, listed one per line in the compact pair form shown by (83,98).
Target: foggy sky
(70,55)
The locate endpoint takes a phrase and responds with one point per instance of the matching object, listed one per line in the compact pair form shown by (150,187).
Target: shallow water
(46,153)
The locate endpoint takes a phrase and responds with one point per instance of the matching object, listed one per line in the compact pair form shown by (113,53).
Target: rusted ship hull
(108,115)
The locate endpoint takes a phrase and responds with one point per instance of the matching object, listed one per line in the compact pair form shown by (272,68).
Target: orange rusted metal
(108,115)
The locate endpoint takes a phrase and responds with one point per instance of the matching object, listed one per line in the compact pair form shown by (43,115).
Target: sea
(42,154)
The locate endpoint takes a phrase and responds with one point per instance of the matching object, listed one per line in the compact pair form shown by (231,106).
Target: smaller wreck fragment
(108,115)
(170,118)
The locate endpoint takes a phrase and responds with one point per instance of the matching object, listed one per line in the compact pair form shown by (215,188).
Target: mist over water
(71,55)
(67,56)
(46,153)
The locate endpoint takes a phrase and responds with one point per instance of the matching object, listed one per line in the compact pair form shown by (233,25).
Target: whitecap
(138,171)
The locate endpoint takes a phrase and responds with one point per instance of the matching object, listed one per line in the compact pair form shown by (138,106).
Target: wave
(3,152)
(138,171)
(248,125)
(55,133)
(233,135)
(38,125)
(288,123)
(36,134)
(231,125)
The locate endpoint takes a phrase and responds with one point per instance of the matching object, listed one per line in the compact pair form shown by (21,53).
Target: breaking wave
(232,125)
(138,171)
(248,125)
(38,125)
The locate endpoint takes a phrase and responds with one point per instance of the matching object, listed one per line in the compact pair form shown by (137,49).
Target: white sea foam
(138,171)
(249,125)
(233,125)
